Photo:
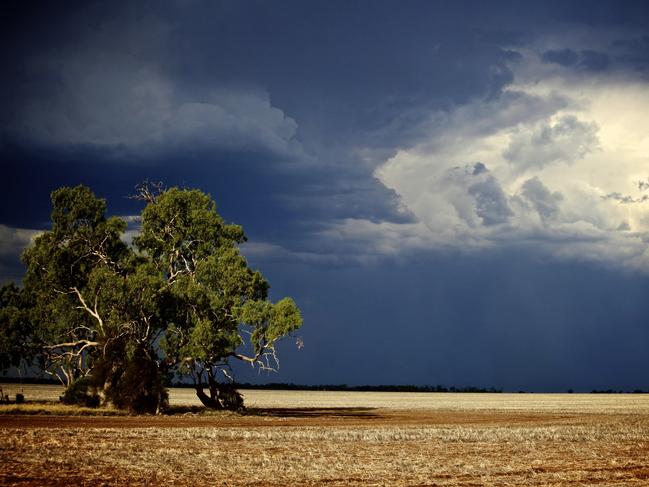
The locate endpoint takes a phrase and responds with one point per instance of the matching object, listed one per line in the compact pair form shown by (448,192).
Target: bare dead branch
(148,191)
(262,359)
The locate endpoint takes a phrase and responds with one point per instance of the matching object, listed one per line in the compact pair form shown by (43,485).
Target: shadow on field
(312,412)
(349,412)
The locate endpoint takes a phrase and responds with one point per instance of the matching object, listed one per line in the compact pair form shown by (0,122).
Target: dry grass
(567,403)
(614,453)
(586,403)
(33,392)
(56,409)
(293,438)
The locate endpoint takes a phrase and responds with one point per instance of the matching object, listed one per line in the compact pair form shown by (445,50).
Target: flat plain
(335,438)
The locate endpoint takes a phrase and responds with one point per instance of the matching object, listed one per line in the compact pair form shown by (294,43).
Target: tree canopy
(181,299)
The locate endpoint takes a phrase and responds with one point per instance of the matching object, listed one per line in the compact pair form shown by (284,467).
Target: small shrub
(81,393)
(231,399)
(20,398)
(92,401)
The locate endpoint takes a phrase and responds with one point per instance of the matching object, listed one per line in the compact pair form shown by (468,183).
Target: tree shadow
(306,412)
(314,412)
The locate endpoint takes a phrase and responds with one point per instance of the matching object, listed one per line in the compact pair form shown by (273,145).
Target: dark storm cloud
(359,85)
(587,59)
(297,96)
(563,57)
(600,14)
(594,60)
(161,85)
(634,52)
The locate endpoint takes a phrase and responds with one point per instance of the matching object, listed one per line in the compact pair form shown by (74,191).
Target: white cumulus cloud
(561,166)
(565,140)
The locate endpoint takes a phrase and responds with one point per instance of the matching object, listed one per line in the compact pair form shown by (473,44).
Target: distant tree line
(620,391)
(344,387)
(113,321)
(285,386)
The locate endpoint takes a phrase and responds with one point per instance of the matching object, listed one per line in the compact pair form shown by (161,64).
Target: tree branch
(92,312)
(85,343)
(266,352)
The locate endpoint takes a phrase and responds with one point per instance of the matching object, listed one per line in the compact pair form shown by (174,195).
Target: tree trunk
(222,396)
(104,390)
(210,401)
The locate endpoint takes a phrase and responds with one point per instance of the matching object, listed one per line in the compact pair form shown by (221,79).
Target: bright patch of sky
(560,162)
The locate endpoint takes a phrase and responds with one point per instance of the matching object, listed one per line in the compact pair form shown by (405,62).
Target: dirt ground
(315,417)
(328,446)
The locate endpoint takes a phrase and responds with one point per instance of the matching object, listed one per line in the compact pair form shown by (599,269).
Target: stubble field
(337,438)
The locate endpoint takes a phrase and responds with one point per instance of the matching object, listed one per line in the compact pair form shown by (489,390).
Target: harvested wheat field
(339,438)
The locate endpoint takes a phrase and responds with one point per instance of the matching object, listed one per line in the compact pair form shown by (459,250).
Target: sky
(454,193)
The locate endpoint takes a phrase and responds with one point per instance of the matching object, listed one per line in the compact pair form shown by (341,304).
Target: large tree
(180,299)
(218,301)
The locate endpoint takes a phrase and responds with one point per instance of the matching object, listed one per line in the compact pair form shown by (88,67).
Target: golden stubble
(526,443)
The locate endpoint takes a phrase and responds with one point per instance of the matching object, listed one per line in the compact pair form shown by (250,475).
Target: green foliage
(179,300)
(64,266)
(270,321)
(16,328)
(184,225)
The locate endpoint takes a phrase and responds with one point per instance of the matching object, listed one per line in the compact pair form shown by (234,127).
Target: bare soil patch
(315,417)
(333,446)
